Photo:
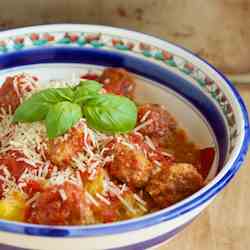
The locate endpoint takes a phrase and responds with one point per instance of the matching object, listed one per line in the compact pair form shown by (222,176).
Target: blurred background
(217,30)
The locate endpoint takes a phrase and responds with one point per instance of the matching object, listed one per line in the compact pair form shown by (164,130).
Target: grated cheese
(139,199)
(33,199)
(23,137)
(9,183)
(115,190)
(62,194)
(149,142)
(128,145)
(157,163)
(27,85)
(166,154)
(142,207)
(143,125)
(123,188)
(91,199)
(92,175)
(79,179)
(78,162)
(145,116)
(15,85)
(106,201)
(58,177)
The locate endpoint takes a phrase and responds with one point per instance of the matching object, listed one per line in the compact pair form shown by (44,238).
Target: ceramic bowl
(203,101)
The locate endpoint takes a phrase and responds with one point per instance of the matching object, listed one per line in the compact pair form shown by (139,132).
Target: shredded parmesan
(62,194)
(24,85)
(33,199)
(157,163)
(166,154)
(103,199)
(91,199)
(9,183)
(149,142)
(24,137)
(60,177)
(139,199)
(115,190)
(145,116)
(129,145)
(78,162)
(15,85)
(123,188)
(79,179)
(143,125)
(92,175)
(142,207)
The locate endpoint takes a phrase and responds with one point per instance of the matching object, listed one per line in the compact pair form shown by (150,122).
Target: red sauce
(205,161)
(14,163)
(50,208)
(118,81)
(33,187)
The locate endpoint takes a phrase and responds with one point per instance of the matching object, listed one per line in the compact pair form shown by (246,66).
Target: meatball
(174,183)
(130,166)
(60,205)
(14,89)
(118,81)
(62,150)
(158,121)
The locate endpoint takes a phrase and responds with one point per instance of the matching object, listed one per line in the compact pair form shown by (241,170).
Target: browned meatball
(159,121)
(174,183)
(13,90)
(130,166)
(62,150)
(118,81)
(60,205)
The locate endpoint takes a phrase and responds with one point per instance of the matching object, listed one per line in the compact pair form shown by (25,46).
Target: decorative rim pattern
(106,41)
(184,207)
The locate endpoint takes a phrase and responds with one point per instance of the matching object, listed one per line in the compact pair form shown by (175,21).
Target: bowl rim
(198,199)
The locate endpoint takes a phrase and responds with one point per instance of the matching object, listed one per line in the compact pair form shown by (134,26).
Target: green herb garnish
(61,117)
(111,113)
(37,106)
(62,108)
(86,90)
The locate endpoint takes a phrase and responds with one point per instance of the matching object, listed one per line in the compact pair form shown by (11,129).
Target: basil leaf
(91,85)
(37,106)
(61,117)
(86,90)
(111,113)
(63,94)
(54,95)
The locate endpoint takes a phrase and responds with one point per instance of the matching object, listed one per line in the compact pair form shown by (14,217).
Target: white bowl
(202,100)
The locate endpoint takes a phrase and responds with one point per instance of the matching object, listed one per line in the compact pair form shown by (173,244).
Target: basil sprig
(62,108)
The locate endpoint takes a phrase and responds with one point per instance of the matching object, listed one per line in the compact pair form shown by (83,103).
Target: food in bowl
(88,153)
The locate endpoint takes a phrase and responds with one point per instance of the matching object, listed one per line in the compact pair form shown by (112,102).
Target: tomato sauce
(150,168)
